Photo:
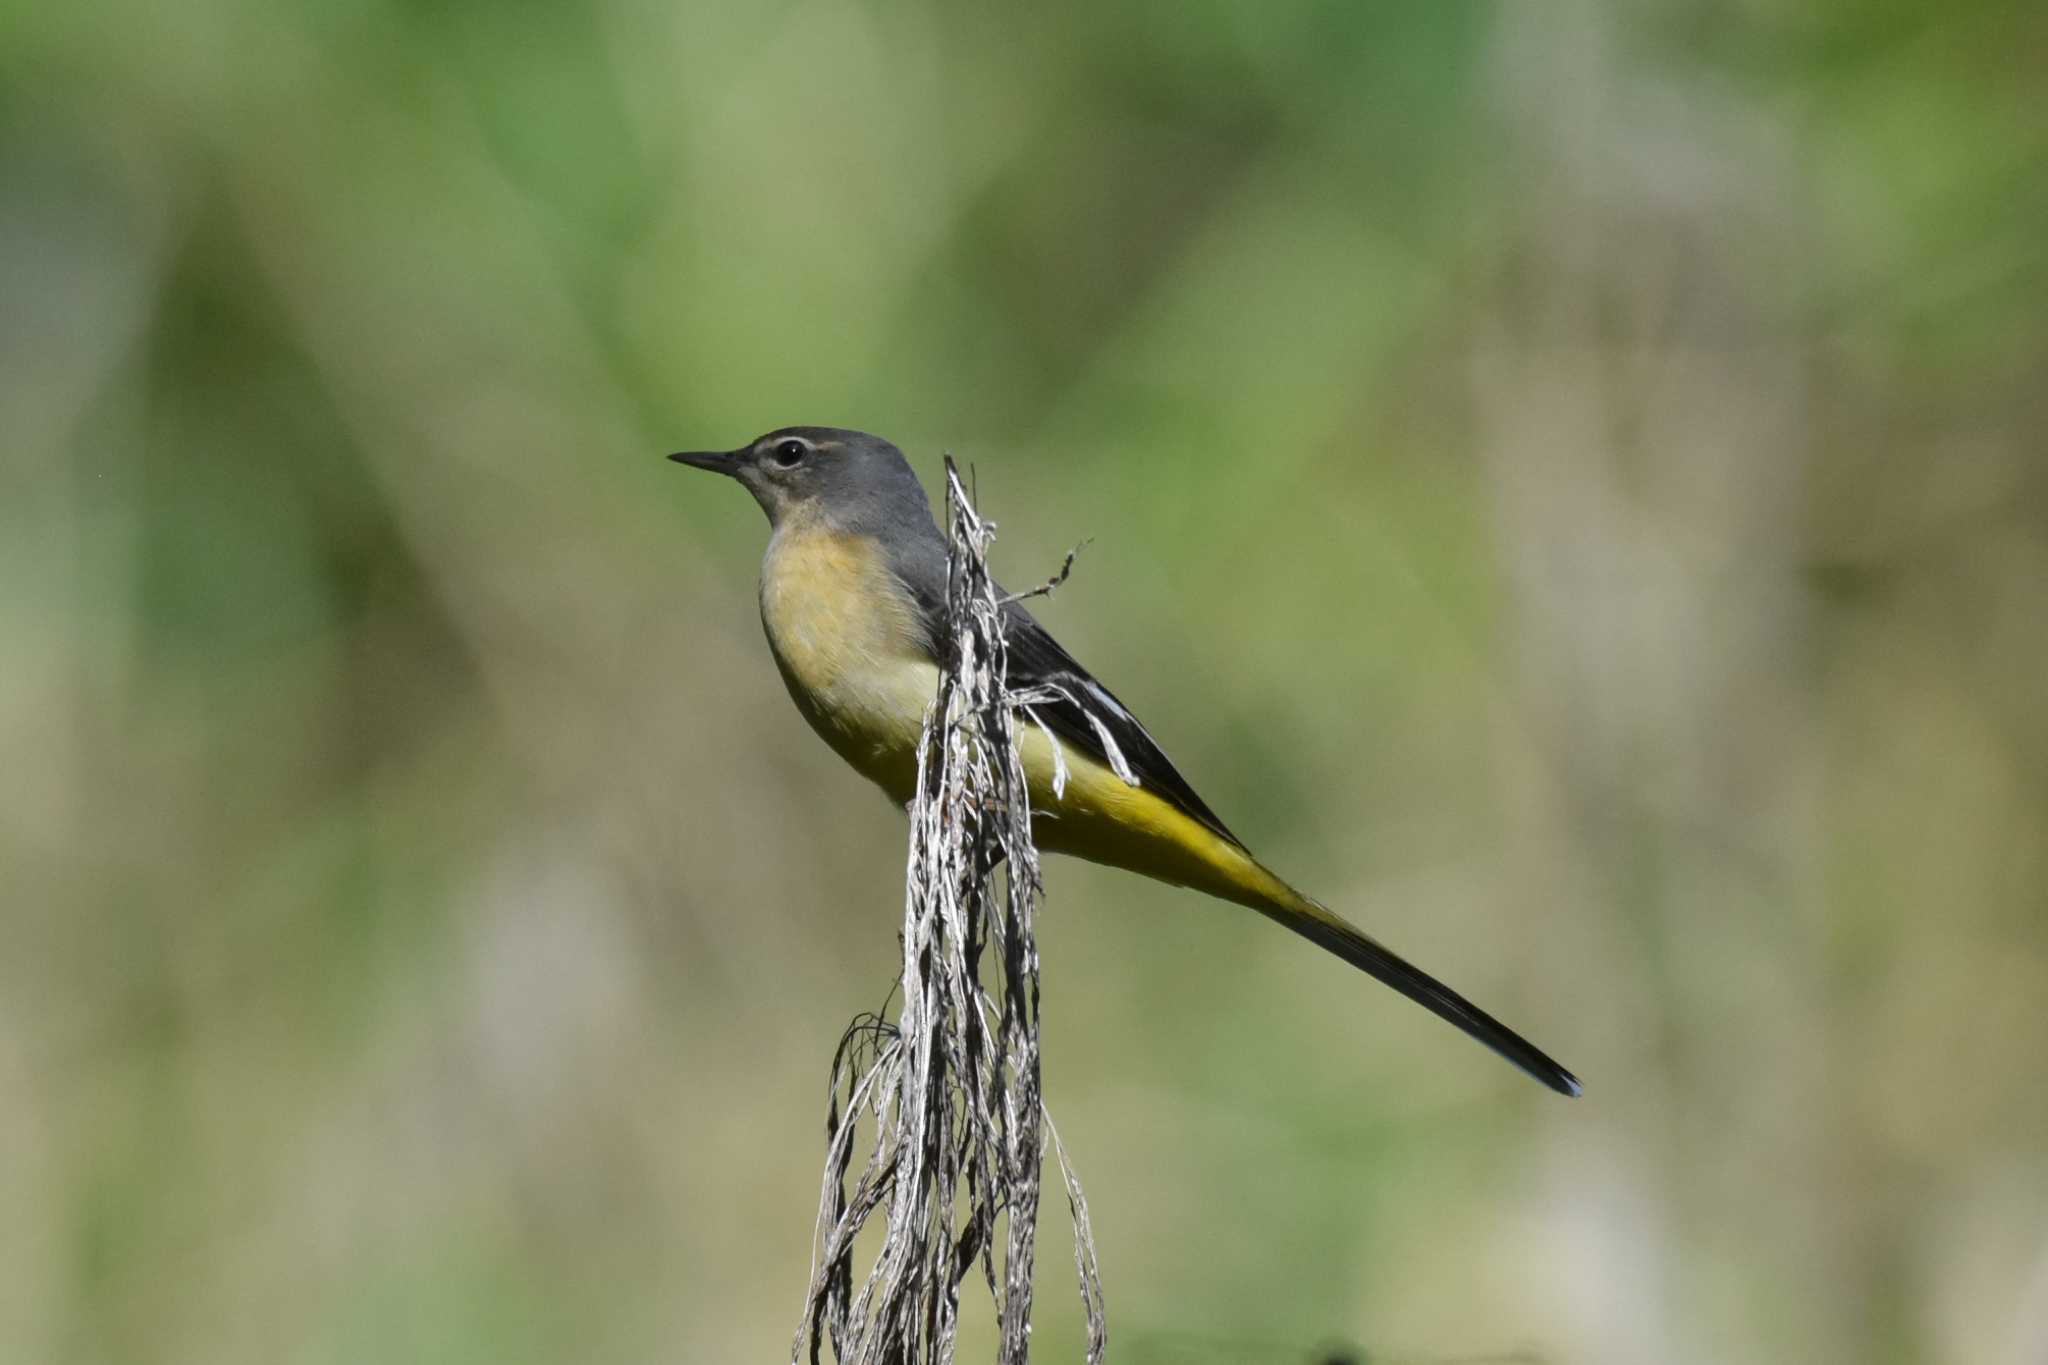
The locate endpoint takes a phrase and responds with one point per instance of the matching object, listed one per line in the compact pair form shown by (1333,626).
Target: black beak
(717,461)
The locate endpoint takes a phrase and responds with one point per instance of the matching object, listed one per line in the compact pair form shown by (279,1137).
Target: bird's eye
(789,454)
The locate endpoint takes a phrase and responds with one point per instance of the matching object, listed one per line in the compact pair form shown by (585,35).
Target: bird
(853,601)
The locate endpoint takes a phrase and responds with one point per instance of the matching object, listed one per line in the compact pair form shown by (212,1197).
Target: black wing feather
(1038,660)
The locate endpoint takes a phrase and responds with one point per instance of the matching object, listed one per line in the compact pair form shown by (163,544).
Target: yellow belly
(1102,818)
(846,640)
(844,635)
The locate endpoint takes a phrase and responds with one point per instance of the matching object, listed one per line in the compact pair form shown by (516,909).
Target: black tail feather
(1328,930)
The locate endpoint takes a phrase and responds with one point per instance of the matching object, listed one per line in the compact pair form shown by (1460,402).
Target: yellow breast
(845,637)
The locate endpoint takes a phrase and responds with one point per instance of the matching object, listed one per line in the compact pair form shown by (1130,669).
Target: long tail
(1324,927)
(1106,820)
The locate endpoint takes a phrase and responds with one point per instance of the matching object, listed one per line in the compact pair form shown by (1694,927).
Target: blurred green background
(1611,442)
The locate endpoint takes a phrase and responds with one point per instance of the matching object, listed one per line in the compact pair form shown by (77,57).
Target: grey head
(848,480)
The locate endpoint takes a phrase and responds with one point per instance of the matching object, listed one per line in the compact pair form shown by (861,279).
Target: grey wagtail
(853,593)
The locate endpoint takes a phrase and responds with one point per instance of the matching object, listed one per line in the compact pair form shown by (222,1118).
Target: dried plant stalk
(949,1093)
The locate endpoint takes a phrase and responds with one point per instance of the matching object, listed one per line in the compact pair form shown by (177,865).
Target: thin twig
(1045,589)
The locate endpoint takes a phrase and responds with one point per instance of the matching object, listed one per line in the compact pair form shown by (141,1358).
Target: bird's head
(845,478)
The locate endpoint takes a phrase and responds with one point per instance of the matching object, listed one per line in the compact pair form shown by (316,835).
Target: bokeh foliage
(1568,483)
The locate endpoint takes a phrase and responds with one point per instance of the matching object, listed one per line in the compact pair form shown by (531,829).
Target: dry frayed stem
(956,1130)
